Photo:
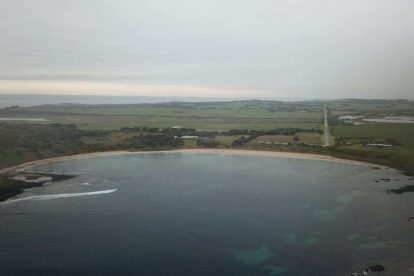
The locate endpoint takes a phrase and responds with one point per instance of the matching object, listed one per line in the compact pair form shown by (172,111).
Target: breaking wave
(54,196)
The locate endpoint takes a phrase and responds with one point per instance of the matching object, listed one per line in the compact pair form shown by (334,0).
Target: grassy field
(200,123)
(202,116)
(402,133)
(400,136)
(306,138)
(227,140)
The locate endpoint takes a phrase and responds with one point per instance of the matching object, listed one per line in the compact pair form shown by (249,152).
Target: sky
(303,49)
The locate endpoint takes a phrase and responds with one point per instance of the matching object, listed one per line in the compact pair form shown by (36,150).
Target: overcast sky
(263,48)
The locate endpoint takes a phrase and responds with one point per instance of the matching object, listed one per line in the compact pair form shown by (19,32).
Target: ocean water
(206,214)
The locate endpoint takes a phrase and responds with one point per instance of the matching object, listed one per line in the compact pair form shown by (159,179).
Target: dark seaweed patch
(401,190)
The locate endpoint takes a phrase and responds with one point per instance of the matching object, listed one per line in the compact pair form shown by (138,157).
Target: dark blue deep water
(207,214)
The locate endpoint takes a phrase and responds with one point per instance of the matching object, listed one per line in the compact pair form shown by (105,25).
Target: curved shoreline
(294,155)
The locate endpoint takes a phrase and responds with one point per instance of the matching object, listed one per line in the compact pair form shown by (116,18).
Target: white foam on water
(46,197)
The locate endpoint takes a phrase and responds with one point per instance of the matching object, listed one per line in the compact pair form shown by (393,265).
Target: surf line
(46,197)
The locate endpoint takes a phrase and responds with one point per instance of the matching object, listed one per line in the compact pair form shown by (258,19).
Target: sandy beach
(25,166)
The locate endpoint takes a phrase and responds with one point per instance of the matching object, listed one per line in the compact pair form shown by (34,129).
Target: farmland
(202,116)
(261,125)
(401,136)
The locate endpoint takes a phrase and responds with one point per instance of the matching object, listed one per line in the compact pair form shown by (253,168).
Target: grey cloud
(319,48)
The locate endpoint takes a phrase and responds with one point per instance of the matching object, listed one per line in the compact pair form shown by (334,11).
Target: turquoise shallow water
(207,214)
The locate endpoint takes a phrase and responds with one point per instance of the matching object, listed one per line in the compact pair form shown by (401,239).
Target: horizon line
(229,98)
